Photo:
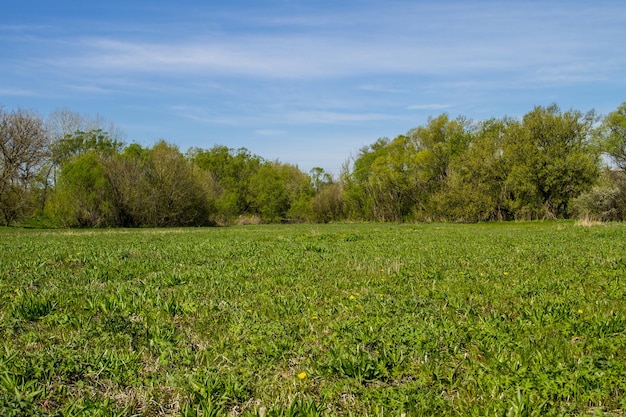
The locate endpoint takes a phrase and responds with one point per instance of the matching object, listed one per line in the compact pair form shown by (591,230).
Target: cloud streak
(276,72)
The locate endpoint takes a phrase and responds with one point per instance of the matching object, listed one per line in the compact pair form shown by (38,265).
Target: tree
(392,181)
(551,161)
(24,147)
(475,186)
(126,175)
(354,178)
(278,191)
(226,174)
(327,203)
(613,133)
(70,134)
(396,180)
(174,192)
(438,143)
(82,142)
(83,194)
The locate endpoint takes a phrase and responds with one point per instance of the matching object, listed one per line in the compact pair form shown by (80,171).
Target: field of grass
(513,319)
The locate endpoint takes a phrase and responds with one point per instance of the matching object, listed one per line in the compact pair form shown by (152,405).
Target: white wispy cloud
(378,88)
(17,92)
(433,106)
(402,38)
(269,132)
(357,70)
(330,117)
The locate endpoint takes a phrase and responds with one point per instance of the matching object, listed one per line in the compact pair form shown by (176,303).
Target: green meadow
(507,319)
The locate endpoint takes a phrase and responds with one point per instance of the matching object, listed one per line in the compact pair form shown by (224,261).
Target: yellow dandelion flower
(314,317)
(580,312)
(248,311)
(351,297)
(302,375)
(506,273)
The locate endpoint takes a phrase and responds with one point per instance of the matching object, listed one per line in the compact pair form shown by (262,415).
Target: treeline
(77,172)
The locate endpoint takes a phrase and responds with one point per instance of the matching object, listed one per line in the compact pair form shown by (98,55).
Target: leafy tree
(551,161)
(227,174)
(24,147)
(437,144)
(71,134)
(475,186)
(355,180)
(392,181)
(126,174)
(614,136)
(300,191)
(79,143)
(327,203)
(279,192)
(320,178)
(396,180)
(83,194)
(174,191)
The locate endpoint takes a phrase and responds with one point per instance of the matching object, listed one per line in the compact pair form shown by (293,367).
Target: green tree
(356,178)
(397,180)
(280,192)
(226,175)
(83,194)
(173,189)
(551,161)
(126,174)
(327,203)
(613,135)
(79,143)
(391,184)
(475,187)
(437,145)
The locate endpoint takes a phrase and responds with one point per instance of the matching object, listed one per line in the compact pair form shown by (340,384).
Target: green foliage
(462,171)
(542,166)
(80,143)
(227,176)
(174,195)
(551,161)
(83,194)
(613,136)
(31,307)
(338,319)
(474,189)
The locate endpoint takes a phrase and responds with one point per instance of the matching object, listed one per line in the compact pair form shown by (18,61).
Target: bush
(605,201)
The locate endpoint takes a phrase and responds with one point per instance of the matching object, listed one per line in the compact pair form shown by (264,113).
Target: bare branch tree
(24,148)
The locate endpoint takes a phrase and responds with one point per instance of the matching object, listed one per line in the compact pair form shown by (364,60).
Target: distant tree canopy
(545,165)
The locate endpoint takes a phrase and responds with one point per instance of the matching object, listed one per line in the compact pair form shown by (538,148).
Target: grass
(515,319)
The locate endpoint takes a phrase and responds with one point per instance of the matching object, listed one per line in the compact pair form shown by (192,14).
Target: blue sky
(307,82)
